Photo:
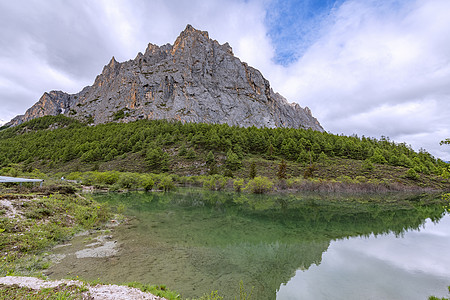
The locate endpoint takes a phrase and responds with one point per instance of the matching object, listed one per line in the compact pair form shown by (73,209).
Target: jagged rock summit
(194,80)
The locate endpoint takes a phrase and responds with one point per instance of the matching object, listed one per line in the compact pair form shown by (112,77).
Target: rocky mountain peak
(194,80)
(191,39)
(191,33)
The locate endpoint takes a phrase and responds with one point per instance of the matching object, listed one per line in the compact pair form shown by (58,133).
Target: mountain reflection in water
(195,241)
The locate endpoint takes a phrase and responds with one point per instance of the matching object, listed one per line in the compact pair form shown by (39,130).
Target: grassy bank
(61,292)
(119,181)
(34,219)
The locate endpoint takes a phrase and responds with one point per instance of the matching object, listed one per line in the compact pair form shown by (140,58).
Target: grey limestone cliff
(194,80)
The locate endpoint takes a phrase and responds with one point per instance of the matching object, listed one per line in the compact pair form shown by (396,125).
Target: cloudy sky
(366,67)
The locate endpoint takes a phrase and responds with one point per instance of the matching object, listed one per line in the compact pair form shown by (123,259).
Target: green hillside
(55,144)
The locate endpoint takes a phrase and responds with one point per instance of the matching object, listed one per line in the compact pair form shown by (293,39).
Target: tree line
(59,139)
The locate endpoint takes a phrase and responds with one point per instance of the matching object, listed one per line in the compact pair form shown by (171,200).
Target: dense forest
(61,143)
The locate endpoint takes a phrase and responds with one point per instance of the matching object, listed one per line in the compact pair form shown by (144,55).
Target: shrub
(213,296)
(345,179)
(259,185)
(367,165)
(147,182)
(182,151)
(294,182)
(107,177)
(238,184)
(411,174)
(215,183)
(228,173)
(119,115)
(309,172)
(166,183)
(361,179)
(190,154)
(128,180)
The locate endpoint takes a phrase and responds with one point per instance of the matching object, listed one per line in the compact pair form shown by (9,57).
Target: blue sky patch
(294,25)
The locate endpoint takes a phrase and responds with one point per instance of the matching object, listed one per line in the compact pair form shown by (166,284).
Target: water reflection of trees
(264,239)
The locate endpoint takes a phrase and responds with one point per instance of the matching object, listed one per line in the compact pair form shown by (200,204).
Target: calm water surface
(285,246)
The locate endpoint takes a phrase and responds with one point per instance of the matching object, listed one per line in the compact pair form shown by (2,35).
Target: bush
(147,182)
(108,177)
(361,179)
(411,174)
(182,151)
(345,179)
(215,183)
(191,154)
(294,183)
(128,180)
(309,172)
(166,183)
(228,173)
(367,165)
(238,184)
(259,185)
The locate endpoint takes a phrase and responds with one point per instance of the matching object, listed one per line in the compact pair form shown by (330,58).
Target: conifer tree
(282,167)
(252,172)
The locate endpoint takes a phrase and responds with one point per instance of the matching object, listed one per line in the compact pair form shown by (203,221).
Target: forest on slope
(58,143)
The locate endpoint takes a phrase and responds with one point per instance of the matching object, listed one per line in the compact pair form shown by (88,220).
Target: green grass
(47,219)
(157,290)
(61,292)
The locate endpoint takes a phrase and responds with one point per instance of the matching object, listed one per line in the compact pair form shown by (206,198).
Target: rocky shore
(97,292)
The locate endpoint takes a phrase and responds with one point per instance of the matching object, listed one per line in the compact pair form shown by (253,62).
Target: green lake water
(285,246)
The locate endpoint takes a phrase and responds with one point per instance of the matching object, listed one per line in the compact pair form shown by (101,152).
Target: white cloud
(379,69)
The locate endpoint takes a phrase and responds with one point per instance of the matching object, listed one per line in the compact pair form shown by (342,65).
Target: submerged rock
(106,248)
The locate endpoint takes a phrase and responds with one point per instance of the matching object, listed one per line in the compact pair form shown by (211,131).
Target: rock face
(194,80)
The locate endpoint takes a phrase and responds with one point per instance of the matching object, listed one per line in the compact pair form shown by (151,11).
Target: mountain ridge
(194,80)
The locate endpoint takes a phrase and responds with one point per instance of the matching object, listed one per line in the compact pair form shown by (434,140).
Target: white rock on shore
(98,292)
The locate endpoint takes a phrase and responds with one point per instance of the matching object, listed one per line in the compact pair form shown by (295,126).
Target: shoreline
(87,291)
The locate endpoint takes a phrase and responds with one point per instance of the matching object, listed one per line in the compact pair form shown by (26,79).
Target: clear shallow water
(286,246)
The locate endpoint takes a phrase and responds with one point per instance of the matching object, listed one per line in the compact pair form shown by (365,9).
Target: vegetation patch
(157,290)
(32,222)
(57,293)
(155,146)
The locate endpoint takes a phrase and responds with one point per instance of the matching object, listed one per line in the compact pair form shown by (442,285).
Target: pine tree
(282,167)
(232,162)
(252,172)
(211,163)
